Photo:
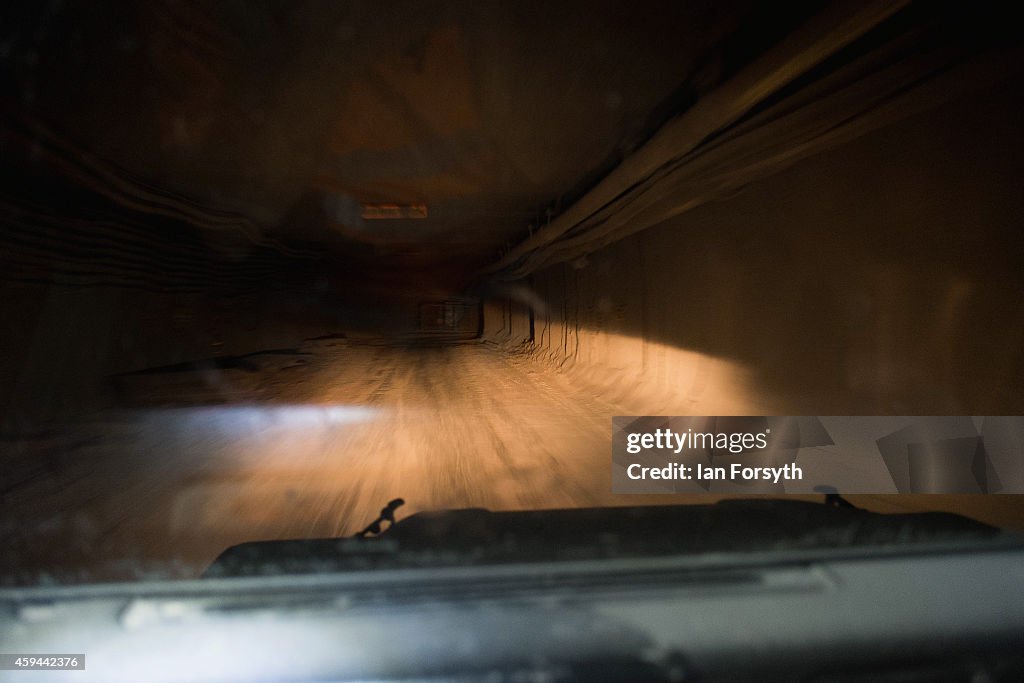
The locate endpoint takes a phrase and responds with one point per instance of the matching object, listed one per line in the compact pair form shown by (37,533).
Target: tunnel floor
(301,443)
(312,442)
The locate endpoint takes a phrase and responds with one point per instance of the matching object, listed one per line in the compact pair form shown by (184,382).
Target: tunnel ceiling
(293,115)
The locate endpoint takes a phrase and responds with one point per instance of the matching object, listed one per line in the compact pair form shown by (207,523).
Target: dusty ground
(312,442)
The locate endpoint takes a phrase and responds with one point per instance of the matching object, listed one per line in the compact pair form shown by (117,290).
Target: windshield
(267,267)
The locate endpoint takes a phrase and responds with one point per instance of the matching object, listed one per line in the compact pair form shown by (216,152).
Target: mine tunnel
(266,266)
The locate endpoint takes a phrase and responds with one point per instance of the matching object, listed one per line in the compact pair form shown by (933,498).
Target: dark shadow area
(245,362)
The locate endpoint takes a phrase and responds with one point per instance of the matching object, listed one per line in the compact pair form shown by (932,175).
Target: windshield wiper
(386,515)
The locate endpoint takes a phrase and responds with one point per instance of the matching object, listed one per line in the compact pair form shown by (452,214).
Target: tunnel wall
(96,282)
(883,277)
(62,345)
(506,322)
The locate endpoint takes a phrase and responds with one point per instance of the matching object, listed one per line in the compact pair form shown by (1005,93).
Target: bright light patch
(251,419)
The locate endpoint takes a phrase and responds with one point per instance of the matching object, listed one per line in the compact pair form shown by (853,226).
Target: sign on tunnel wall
(456,317)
